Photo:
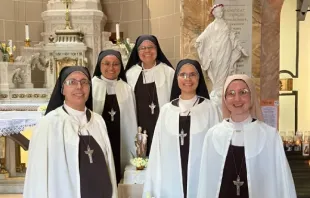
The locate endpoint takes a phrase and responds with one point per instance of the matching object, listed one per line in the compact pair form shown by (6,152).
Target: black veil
(57,98)
(201,90)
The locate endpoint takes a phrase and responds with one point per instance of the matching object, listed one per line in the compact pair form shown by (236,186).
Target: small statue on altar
(138,143)
(140,161)
(144,143)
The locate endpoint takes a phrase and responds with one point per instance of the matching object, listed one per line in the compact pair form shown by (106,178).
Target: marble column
(270,46)
(10,159)
(256,43)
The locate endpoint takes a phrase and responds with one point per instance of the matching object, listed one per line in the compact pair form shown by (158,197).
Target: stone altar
(61,46)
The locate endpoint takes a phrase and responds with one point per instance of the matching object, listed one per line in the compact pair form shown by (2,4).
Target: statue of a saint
(139,143)
(218,49)
(144,143)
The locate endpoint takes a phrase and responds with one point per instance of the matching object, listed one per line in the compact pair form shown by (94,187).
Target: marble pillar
(270,46)
(256,43)
(10,157)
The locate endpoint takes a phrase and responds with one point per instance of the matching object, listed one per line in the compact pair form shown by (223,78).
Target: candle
(117,32)
(27,31)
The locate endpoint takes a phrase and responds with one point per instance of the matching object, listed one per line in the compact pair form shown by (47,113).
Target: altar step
(12,185)
(300,168)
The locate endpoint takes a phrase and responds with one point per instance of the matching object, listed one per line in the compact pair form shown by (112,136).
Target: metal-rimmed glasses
(74,83)
(232,93)
(188,75)
(144,48)
(109,64)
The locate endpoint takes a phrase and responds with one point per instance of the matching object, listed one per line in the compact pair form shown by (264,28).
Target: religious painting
(61,63)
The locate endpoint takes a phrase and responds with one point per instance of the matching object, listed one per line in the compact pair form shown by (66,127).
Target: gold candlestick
(27,42)
(11,58)
(67,2)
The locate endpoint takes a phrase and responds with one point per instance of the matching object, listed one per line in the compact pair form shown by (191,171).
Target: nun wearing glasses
(70,154)
(174,161)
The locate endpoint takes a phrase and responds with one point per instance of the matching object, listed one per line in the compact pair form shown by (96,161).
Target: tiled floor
(11,195)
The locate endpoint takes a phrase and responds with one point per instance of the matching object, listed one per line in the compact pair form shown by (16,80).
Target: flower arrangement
(125,44)
(3,170)
(42,108)
(6,51)
(139,162)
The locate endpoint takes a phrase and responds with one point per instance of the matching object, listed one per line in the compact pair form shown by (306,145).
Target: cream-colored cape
(164,171)
(268,172)
(53,166)
(128,119)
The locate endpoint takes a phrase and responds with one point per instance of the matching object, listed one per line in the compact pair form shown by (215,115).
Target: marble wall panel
(158,17)
(14,14)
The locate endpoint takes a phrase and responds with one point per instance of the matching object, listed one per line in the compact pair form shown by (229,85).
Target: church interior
(39,37)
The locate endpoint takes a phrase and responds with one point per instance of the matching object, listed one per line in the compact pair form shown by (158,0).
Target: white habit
(53,170)
(162,75)
(164,173)
(268,172)
(128,118)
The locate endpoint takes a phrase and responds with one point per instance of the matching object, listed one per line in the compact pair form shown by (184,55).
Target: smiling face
(238,99)
(76,90)
(188,79)
(147,52)
(110,67)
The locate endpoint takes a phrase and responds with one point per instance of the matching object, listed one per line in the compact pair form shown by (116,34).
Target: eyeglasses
(108,64)
(232,93)
(74,82)
(144,48)
(188,75)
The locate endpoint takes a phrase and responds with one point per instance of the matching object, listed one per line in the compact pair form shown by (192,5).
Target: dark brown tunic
(228,189)
(146,94)
(114,131)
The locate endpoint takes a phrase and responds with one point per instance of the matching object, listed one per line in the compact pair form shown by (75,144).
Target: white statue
(139,143)
(218,49)
(144,143)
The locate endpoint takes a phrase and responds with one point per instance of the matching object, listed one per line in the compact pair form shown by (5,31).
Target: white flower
(42,108)
(139,162)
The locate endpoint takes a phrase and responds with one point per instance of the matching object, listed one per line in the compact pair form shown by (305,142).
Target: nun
(150,74)
(113,98)
(242,156)
(70,154)
(174,161)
